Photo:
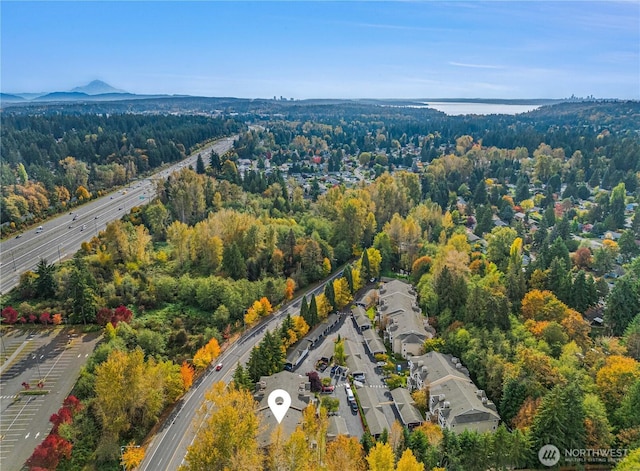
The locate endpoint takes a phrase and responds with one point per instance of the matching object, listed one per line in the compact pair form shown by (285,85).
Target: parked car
(328,389)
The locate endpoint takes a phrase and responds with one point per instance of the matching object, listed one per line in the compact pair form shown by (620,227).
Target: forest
(219,248)
(51,163)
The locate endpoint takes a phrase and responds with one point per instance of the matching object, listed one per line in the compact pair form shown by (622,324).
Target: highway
(62,236)
(168,448)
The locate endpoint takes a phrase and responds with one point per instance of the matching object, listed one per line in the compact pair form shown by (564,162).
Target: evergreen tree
(559,280)
(622,305)
(313,311)
(330,294)
(241,378)
(233,262)
(366,266)
(81,291)
(627,245)
(560,418)
(304,310)
(45,284)
(214,161)
(583,292)
(484,220)
(200,165)
(617,206)
(522,189)
(348,276)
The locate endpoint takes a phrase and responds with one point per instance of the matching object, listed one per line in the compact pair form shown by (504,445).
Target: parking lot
(47,360)
(374,380)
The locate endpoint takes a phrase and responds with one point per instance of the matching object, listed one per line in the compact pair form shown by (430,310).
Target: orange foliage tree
(186,371)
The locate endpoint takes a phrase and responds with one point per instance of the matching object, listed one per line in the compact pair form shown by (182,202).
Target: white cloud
(476,66)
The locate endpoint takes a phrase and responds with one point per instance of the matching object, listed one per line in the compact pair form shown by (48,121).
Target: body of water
(457,109)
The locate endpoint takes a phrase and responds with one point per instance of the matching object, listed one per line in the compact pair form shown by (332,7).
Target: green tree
(622,305)
(45,284)
(560,419)
(233,262)
(366,266)
(214,161)
(200,169)
(617,206)
(627,245)
(81,291)
(313,312)
(330,294)
(499,243)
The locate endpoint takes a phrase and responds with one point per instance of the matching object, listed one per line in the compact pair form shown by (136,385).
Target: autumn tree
(345,453)
(380,458)
(132,456)
(186,372)
(207,354)
(615,378)
(227,432)
(408,462)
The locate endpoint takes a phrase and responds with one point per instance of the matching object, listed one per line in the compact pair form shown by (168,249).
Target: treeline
(56,161)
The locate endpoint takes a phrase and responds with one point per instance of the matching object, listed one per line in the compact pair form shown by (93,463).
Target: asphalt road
(61,237)
(168,448)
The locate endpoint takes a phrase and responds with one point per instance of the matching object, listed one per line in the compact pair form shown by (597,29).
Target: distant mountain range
(96,90)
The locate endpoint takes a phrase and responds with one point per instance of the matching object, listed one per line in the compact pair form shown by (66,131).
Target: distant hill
(8,97)
(97,87)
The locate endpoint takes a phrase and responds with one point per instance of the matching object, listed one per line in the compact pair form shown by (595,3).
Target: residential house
(298,388)
(405,325)
(360,318)
(454,400)
(409,414)
(296,354)
(372,410)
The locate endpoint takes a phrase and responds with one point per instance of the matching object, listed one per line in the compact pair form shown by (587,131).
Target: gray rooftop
(337,426)
(398,302)
(299,389)
(373,341)
(370,404)
(360,317)
(405,405)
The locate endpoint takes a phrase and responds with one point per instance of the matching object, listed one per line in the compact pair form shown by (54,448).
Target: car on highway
(218,366)
(39,230)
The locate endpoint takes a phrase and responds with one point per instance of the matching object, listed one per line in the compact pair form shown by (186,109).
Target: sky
(358,49)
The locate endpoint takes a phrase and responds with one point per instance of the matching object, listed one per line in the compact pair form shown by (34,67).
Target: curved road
(62,236)
(168,448)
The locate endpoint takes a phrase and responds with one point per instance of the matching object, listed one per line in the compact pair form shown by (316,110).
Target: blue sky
(301,50)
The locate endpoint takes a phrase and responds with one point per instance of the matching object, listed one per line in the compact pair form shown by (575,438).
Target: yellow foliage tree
(543,306)
(614,379)
(132,457)
(380,458)
(205,355)
(345,453)
(342,293)
(326,267)
(227,433)
(323,305)
(300,326)
(408,462)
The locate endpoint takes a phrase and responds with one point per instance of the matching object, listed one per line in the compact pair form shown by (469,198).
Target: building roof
(405,405)
(372,409)
(398,302)
(360,317)
(299,389)
(374,344)
(337,426)
(466,403)
(354,358)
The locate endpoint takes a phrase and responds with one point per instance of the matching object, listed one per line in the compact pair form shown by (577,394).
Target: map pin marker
(279,402)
